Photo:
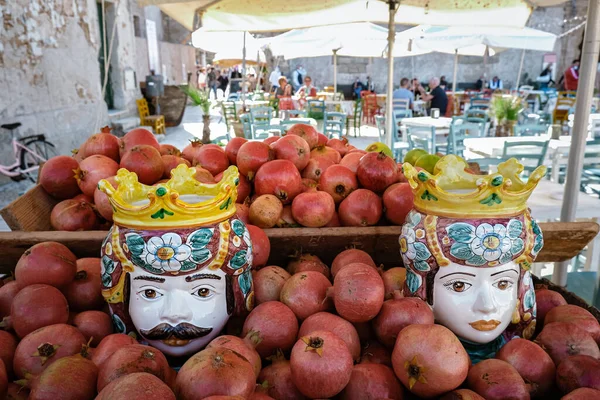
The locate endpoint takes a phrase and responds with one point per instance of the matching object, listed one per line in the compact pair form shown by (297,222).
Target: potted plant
(200,98)
(505,109)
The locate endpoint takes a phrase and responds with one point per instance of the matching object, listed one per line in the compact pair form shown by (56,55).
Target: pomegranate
(305,293)
(215,371)
(95,325)
(353,149)
(339,145)
(79,154)
(251,156)
(294,149)
(358,292)
(41,348)
(546,300)
(265,211)
(261,246)
(393,281)
(84,198)
(190,152)
(243,187)
(130,359)
(398,200)
(321,365)
(104,144)
(242,211)
(271,139)
(582,394)
(461,394)
(136,386)
(170,162)
(7,294)
(82,293)
(245,347)
(145,161)
(92,170)
(278,376)
(313,209)
(136,137)
(538,375)
(50,263)
(36,306)
(268,282)
(351,160)
(364,331)
(332,323)
(322,140)
(211,158)
(69,378)
(325,152)
(73,215)
(286,219)
(306,132)
(202,175)
(279,178)
(429,370)
(57,177)
(401,177)
(376,171)
(108,345)
(576,315)
(232,148)
(372,381)
(361,208)
(315,168)
(348,257)
(307,262)
(334,222)
(374,352)
(168,150)
(276,326)
(309,185)
(8,345)
(397,314)
(563,339)
(339,182)
(3,380)
(507,383)
(578,371)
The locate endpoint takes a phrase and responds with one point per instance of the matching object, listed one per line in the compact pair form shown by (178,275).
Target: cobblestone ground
(179,136)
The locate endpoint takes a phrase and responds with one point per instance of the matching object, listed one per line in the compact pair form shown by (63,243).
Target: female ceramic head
(177,261)
(468,245)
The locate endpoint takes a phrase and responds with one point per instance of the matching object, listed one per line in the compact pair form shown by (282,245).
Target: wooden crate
(562,242)
(30,212)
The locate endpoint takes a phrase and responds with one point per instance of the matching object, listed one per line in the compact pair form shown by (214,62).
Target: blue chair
(531,153)
(246,125)
(477,113)
(297,113)
(421,137)
(530,130)
(316,109)
(459,131)
(400,104)
(233,97)
(355,117)
(480,103)
(380,123)
(260,117)
(295,121)
(264,131)
(333,123)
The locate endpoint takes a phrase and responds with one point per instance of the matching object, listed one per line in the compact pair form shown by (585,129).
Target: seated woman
(307,90)
(284,89)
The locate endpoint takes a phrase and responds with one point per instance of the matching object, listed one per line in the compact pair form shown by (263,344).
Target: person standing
(437,96)
(274,78)
(571,77)
(545,78)
(202,79)
(298,77)
(223,81)
(404,93)
(211,76)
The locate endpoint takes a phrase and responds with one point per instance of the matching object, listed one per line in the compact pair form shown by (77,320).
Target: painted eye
(458,286)
(503,285)
(203,292)
(150,294)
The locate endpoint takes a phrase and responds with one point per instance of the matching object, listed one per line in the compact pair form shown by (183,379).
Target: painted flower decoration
(166,252)
(486,243)
(412,250)
(539,238)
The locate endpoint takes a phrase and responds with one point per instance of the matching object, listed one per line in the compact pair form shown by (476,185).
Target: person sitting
(437,96)
(479,85)
(404,93)
(357,88)
(307,90)
(284,89)
(443,83)
(496,83)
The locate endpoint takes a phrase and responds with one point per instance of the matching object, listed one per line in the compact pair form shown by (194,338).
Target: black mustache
(183,331)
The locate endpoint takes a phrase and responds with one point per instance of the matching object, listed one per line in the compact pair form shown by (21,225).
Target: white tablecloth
(439,123)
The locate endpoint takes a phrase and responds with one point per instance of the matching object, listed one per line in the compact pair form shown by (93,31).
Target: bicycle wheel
(42,148)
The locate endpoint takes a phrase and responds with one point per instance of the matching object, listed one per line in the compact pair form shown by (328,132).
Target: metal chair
(530,130)
(370,107)
(400,104)
(531,154)
(333,123)
(421,137)
(459,131)
(246,125)
(316,109)
(260,117)
(380,123)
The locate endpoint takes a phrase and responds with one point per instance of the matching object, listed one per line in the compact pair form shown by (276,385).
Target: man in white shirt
(496,83)
(274,78)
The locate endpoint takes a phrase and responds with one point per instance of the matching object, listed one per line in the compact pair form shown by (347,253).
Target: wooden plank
(562,242)
(30,212)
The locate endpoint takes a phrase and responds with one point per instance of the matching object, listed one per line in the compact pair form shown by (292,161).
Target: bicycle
(29,153)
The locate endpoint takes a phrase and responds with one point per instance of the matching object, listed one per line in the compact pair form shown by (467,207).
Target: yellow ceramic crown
(454,192)
(136,205)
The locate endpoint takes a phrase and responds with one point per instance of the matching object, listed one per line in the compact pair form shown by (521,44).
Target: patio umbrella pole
(585,91)
(335,72)
(455,73)
(520,69)
(244,74)
(389,122)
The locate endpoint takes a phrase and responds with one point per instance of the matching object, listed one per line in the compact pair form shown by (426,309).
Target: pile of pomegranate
(301,179)
(342,331)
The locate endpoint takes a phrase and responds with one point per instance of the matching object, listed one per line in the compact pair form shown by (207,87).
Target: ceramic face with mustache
(476,303)
(178,314)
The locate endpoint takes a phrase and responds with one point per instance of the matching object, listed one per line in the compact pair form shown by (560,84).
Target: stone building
(52,54)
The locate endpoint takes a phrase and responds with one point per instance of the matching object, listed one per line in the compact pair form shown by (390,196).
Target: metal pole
(455,74)
(520,69)
(244,74)
(334,73)
(389,121)
(585,91)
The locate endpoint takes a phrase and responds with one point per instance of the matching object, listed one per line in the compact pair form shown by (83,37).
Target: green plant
(506,107)
(198,97)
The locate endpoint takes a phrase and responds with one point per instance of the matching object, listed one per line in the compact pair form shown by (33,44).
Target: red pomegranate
(339,182)
(108,345)
(286,220)
(305,293)
(309,185)
(92,170)
(7,294)
(73,215)
(351,160)
(82,293)
(211,158)
(265,211)
(170,162)
(292,148)
(136,137)
(334,222)
(397,314)
(327,153)
(246,347)
(306,132)
(509,384)
(232,148)
(48,263)
(361,208)
(461,394)
(307,262)
(316,167)
(313,209)
(582,394)
(376,171)
(271,139)
(268,282)
(563,339)
(276,325)
(57,177)
(372,381)
(104,144)
(169,150)
(398,200)
(136,386)
(348,257)
(358,292)
(374,352)
(337,325)
(202,175)
(578,371)
(190,152)
(322,140)
(102,203)
(321,365)
(242,211)
(8,346)
(251,156)
(95,325)
(546,300)
(278,376)
(261,246)
(279,178)
(393,280)
(576,315)
(429,370)
(339,145)
(36,306)
(145,161)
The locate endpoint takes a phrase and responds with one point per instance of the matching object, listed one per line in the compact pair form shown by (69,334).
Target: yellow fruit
(413,155)
(379,147)
(427,162)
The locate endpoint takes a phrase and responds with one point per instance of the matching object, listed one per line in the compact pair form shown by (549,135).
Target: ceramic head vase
(468,245)
(177,262)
